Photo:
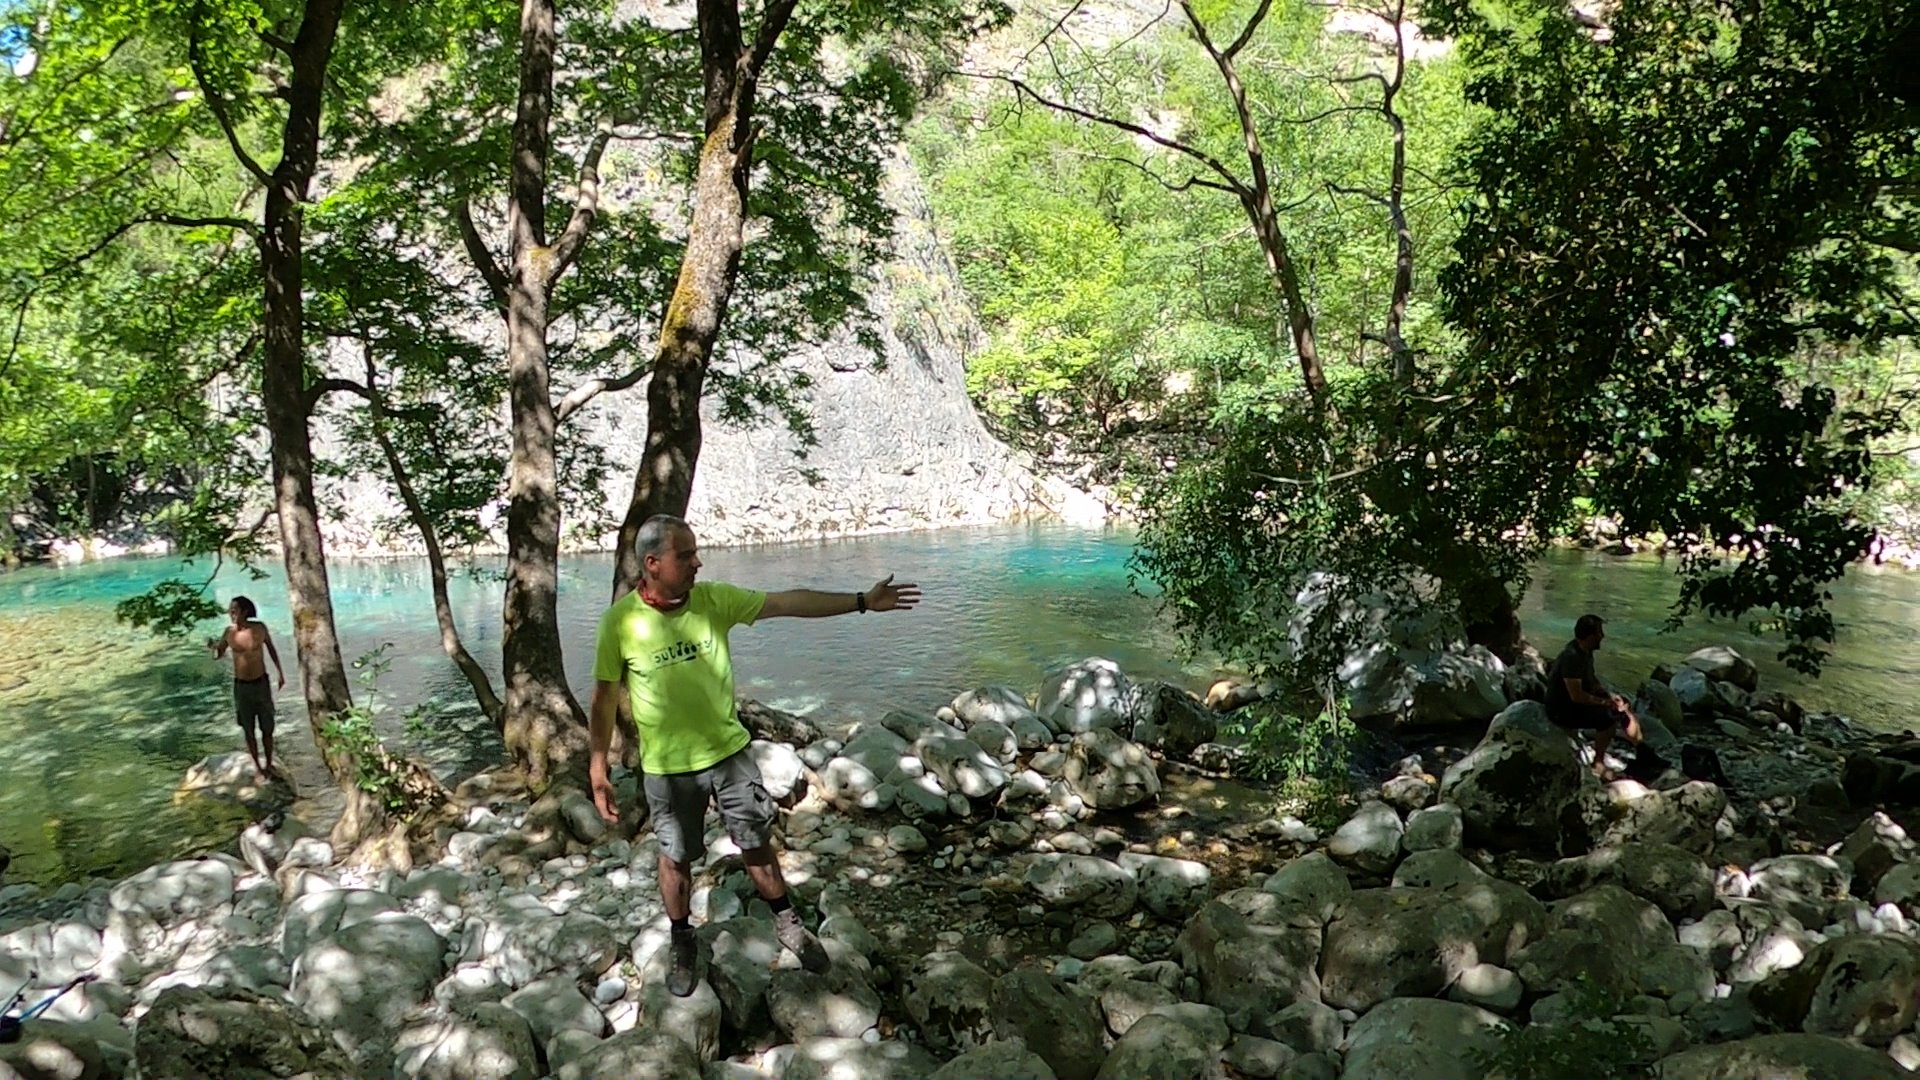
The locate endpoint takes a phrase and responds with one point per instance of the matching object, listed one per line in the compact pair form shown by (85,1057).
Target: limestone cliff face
(900,444)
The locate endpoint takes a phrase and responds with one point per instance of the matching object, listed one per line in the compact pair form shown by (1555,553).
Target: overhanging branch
(322,387)
(585,206)
(218,105)
(578,397)
(1188,184)
(1231,182)
(1246,33)
(772,24)
(480,255)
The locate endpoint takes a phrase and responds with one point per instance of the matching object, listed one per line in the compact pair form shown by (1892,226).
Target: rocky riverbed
(1062,885)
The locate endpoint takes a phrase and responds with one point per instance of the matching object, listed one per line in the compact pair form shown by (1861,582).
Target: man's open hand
(887,596)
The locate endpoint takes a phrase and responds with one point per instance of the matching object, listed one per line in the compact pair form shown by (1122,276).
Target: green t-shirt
(679,674)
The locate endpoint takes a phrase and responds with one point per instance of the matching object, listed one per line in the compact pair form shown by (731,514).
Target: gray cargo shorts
(678,803)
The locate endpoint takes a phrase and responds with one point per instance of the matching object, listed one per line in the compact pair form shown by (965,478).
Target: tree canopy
(1662,270)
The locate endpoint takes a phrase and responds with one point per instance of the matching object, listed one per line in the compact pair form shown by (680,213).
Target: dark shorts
(678,803)
(253,705)
(1577,717)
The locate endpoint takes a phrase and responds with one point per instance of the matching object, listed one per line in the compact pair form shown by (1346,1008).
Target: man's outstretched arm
(811,604)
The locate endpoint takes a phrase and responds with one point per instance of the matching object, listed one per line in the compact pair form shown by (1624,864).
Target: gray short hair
(656,533)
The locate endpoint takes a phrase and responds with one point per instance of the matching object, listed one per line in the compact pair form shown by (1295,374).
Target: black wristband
(860,602)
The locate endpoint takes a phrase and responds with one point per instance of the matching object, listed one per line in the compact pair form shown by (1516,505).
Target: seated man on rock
(1576,700)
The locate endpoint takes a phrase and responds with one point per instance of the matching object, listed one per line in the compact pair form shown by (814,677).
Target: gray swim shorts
(678,803)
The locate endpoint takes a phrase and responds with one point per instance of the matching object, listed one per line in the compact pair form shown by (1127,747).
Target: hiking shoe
(800,942)
(683,953)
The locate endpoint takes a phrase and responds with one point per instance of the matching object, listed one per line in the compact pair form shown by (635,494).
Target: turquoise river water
(98,722)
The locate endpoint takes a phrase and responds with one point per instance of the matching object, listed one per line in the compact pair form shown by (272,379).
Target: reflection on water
(98,722)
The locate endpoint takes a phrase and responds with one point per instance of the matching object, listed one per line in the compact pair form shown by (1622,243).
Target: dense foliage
(1663,272)
(1129,322)
(1686,346)
(1361,317)
(171,164)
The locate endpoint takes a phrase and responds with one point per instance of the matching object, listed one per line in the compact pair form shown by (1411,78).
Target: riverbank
(101,721)
(1896,545)
(1047,884)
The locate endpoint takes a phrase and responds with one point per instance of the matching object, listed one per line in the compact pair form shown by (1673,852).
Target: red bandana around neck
(658,603)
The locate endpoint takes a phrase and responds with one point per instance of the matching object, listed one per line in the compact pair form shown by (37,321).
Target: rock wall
(900,445)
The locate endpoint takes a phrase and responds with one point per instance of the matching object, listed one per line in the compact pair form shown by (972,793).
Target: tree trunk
(323,675)
(544,726)
(708,271)
(450,642)
(664,481)
(1257,201)
(1492,621)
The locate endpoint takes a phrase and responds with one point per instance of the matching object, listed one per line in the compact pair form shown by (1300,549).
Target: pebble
(906,839)
(1097,938)
(1068,967)
(1071,842)
(939,864)
(610,990)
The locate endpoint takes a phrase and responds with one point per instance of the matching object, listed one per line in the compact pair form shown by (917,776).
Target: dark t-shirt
(1573,662)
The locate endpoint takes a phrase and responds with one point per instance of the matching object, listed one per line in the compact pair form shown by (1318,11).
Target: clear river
(99,722)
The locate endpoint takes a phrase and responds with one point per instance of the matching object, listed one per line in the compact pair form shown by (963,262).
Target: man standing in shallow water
(248,638)
(667,640)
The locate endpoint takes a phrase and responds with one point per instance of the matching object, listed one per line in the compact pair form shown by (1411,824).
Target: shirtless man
(252,697)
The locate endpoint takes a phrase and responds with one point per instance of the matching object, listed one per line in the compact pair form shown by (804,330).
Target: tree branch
(1247,32)
(481,257)
(578,397)
(1188,184)
(1052,30)
(189,222)
(74,260)
(1324,114)
(323,387)
(1257,199)
(1232,183)
(218,104)
(772,24)
(19,325)
(585,206)
(277,42)
(450,641)
(1290,481)
(1908,243)
(1373,197)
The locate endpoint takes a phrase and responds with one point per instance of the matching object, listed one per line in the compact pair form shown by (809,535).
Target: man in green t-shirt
(667,640)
